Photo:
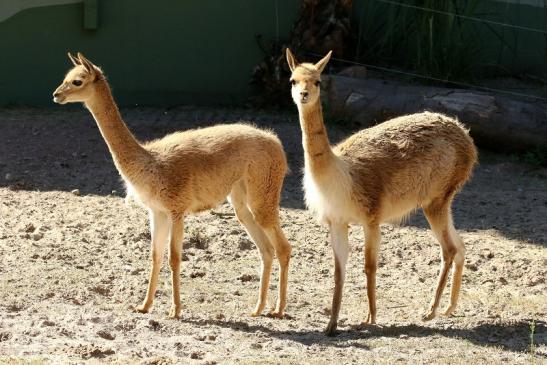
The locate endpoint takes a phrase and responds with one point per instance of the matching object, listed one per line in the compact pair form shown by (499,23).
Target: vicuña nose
(304,93)
(56,94)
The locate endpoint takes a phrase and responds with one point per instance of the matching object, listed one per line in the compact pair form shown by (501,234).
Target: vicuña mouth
(58,100)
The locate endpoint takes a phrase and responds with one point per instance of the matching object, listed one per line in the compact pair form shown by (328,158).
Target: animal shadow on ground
(514,336)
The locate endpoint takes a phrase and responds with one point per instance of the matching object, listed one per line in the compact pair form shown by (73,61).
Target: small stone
(503,280)
(37,236)
(256,346)
(472,266)
(211,337)
(245,244)
(247,277)
(29,227)
(220,316)
(403,336)
(197,274)
(536,280)
(155,325)
(8,176)
(106,335)
(487,254)
(196,355)
(76,192)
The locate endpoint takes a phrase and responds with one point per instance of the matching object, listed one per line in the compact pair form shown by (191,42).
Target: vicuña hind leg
(263,195)
(372,242)
(175,251)
(239,202)
(452,251)
(340,246)
(159,227)
(283,251)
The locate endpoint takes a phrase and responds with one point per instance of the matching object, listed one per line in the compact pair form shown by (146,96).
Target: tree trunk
(497,122)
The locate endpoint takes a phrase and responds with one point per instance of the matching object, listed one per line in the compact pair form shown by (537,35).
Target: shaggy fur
(382,174)
(188,172)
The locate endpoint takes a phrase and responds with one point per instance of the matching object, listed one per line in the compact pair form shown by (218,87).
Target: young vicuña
(188,172)
(382,174)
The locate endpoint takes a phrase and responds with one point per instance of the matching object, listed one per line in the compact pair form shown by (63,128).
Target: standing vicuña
(188,172)
(381,174)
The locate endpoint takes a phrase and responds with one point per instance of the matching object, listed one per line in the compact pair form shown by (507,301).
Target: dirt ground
(72,265)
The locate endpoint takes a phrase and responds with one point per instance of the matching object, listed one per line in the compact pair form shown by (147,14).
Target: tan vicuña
(381,174)
(188,172)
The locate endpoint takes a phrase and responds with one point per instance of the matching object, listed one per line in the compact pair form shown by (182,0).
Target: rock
(76,192)
(196,355)
(503,280)
(471,266)
(29,227)
(106,335)
(197,274)
(256,346)
(487,254)
(154,325)
(37,236)
(245,244)
(535,280)
(248,277)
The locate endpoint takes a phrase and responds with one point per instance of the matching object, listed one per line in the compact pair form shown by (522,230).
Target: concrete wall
(160,52)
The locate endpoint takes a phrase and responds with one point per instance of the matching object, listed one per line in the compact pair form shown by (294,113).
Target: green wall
(154,53)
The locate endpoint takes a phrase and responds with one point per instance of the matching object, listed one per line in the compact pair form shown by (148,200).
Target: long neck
(123,146)
(317,150)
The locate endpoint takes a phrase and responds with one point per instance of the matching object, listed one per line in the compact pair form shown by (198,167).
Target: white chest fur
(328,195)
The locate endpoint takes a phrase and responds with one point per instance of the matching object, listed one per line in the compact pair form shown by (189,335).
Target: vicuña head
(306,79)
(78,83)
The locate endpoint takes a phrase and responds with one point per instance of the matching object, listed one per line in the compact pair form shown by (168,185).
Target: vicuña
(188,172)
(381,174)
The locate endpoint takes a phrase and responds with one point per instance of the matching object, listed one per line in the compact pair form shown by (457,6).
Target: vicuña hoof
(449,311)
(331,328)
(429,316)
(141,309)
(370,321)
(276,313)
(175,311)
(258,310)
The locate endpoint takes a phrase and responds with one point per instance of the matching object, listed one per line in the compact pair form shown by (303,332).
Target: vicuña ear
(323,62)
(291,60)
(91,68)
(73,59)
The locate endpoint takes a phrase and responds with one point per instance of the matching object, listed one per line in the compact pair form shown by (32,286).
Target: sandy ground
(72,266)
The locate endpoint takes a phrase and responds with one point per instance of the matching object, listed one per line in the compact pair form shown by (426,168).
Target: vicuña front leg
(372,242)
(340,246)
(175,252)
(159,226)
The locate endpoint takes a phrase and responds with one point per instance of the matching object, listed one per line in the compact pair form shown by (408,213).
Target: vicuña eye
(77,82)
(317,83)
(293,82)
